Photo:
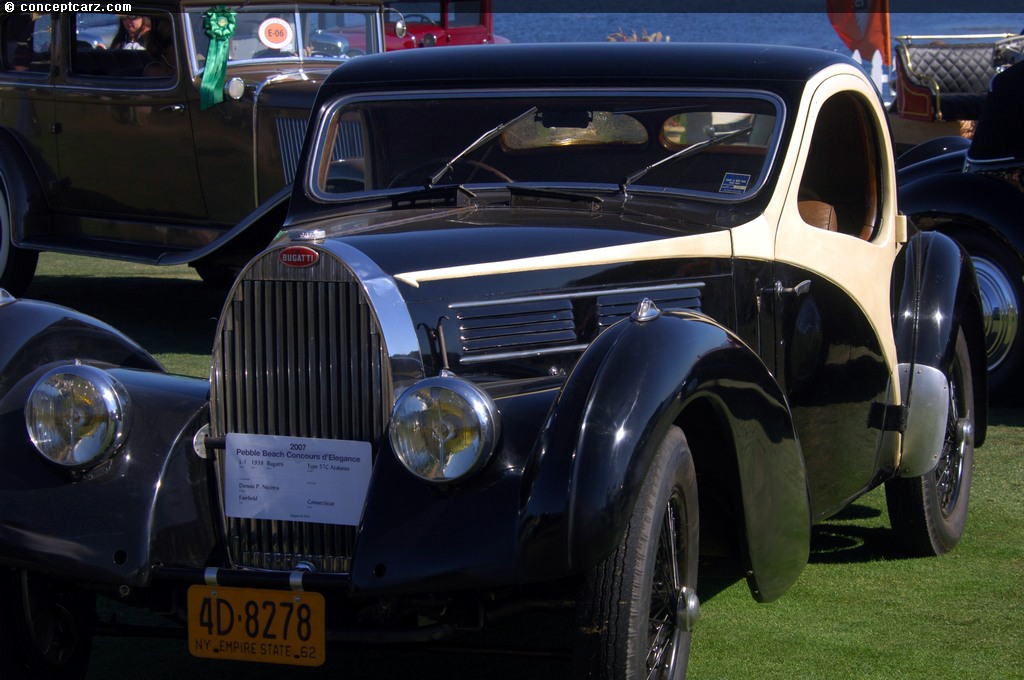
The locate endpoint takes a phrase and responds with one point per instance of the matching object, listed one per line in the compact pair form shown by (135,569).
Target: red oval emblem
(298,256)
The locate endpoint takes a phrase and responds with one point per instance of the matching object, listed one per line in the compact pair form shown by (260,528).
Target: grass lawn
(859,610)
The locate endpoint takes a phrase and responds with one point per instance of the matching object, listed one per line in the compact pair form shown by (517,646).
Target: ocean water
(801,29)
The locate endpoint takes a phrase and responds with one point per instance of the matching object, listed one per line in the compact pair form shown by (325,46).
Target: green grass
(167,310)
(859,610)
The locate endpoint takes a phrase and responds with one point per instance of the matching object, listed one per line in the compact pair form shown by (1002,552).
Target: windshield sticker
(734,183)
(275,33)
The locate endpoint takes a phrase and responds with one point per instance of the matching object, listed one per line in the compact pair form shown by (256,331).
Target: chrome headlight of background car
(77,415)
(444,429)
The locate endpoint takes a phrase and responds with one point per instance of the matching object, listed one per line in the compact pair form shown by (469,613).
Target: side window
(839,190)
(133,47)
(26,42)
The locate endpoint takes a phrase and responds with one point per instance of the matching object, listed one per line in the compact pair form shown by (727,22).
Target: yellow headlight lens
(77,415)
(444,429)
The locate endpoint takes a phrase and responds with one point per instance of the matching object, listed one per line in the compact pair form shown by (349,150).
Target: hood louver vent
(617,306)
(549,324)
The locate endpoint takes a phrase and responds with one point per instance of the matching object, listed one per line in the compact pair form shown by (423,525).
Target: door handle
(800,289)
(173,108)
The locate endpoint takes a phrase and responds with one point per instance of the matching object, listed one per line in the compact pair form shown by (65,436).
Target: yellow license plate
(249,624)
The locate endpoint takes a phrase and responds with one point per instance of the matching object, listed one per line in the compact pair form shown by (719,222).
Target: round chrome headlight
(77,415)
(444,429)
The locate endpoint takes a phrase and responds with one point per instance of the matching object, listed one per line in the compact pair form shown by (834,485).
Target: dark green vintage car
(108,148)
(569,323)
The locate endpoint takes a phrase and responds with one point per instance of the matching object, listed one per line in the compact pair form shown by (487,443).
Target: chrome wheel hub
(687,610)
(1000,309)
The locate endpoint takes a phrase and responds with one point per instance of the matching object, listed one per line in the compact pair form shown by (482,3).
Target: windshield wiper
(691,150)
(481,140)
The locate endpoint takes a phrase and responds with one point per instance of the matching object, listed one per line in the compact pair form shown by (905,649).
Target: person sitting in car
(133,33)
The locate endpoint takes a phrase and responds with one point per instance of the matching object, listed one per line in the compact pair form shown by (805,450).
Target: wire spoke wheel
(950,469)
(46,628)
(666,591)
(929,512)
(637,609)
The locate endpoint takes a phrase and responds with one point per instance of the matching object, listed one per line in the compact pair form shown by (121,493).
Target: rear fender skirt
(599,440)
(937,276)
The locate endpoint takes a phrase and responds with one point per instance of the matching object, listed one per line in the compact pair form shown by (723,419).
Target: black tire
(46,628)
(636,610)
(928,513)
(1001,283)
(17,265)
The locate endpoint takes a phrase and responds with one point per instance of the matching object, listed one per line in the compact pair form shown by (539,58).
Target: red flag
(863,25)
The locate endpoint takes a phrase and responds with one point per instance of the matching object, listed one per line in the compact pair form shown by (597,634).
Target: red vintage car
(429,23)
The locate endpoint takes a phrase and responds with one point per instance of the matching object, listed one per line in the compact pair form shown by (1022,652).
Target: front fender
(34,333)
(110,524)
(634,382)
(967,199)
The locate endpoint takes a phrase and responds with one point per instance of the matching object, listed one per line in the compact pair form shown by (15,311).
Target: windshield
(290,33)
(718,147)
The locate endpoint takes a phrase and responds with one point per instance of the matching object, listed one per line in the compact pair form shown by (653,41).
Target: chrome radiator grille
(299,358)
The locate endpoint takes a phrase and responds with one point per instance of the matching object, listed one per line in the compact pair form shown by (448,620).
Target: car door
(835,249)
(123,126)
(464,23)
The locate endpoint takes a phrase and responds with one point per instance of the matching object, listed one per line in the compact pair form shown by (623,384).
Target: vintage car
(973,190)
(436,23)
(553,336)
(115,152)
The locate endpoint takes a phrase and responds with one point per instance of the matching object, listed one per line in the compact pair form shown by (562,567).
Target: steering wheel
(431,166)
(421,19)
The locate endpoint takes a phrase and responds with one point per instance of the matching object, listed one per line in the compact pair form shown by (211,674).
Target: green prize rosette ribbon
(219,23)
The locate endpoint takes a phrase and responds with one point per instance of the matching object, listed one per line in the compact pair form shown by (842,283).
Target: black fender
(934,274)
(23,189)
(942,154)
(239,244)
(110,524)
(634,382)
(560,490)
(971,200)
(48,516)
(34,333)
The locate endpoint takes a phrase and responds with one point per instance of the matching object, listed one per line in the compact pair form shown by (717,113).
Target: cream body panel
(849,262)
(714,244)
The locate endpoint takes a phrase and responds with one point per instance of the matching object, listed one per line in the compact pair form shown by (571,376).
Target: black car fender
(942,154)
(937,294)
(22,189)
(559,493)
(110,523)
(634,382)
(238,244)
(33,333)
(42,501)
(968,200)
